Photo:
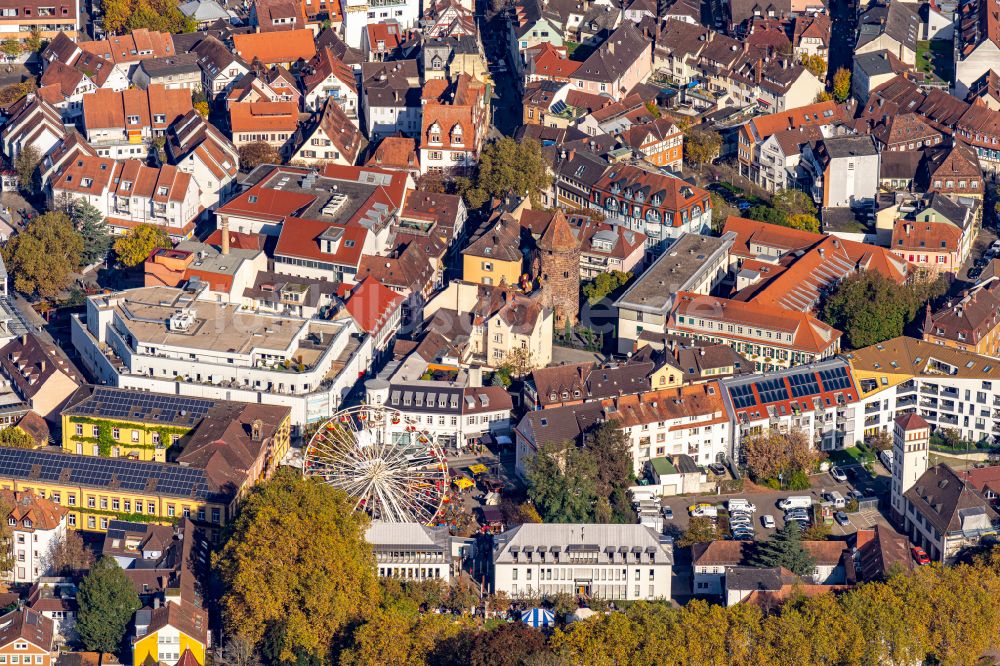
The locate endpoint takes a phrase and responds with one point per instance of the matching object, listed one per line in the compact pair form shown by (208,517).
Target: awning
(463,482)
(478,469)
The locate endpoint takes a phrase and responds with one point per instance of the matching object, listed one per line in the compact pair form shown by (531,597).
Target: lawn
(850,456)
(935,57)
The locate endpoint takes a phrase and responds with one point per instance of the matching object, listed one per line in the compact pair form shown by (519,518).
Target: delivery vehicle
(741,505)
(795,502)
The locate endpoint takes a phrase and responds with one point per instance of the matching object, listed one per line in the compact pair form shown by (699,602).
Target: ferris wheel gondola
(388,473)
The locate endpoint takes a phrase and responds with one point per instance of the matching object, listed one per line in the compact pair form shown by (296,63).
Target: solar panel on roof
(772,390)
(803,384)
(835,379)
(742,396)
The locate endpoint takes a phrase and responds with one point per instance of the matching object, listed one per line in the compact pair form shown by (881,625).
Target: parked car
(708,511)
(838,474)
(668,513)
(975,272)
(855,495)
(920,555)
(795,502)
(699,505)
(841,518)
(767,521)
(717,469)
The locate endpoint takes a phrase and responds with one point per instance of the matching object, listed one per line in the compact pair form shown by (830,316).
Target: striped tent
(538,618)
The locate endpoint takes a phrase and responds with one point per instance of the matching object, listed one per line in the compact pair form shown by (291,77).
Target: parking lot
(870,484)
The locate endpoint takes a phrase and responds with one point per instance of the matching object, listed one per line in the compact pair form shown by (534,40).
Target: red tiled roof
(264,116)
(371,304)
(275,47)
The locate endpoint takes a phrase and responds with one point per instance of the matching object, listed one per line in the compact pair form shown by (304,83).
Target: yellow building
(230,447)
(122,423)
(494,256)
(163,634)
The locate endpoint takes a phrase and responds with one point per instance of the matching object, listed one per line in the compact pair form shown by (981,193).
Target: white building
(36,524)
(175,341)
(411,551)
(613,562)
(452,415)
(910,440)
(359,13)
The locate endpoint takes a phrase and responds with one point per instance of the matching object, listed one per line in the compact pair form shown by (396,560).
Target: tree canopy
(771,453)
(15,438)
(24,166)
(842,84)
(870,308)
(69,554)
(121,16)
(107,603)
(252,155)
(815,64)
(506,167)
(701,529)
(701,146)
(42,257)
(784,548)
(93,229)
(571,484)
(138,243)
(604,284)
(296,568)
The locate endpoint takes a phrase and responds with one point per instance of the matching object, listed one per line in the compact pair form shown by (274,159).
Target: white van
(705,512)
(886,458)
(795,502)
(741,505)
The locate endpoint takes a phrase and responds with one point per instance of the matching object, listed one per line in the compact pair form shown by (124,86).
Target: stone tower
(559,270)
(910,442)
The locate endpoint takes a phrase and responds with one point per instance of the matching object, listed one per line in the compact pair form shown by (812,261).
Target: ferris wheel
(394,471)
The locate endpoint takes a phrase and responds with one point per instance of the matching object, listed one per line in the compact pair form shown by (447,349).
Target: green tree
(815,64)
(803,222)
(869,308)
(700,530)
(604,284)
(34,41)
(42,257)
(764,213)
(296,566)
(506,167)
(92,227)
(24,165)
(794,202)
(252,155)
(842,84)
(138,243)
(15,438)
(721,211)
(561,483)
(11,48)
(784,549)
(608,447)
(107,601)
(701,146)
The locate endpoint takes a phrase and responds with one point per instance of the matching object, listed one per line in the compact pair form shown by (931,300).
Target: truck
(795,502)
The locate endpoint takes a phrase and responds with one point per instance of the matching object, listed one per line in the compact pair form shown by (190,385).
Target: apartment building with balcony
(122,124)
(18,19)
(948,387)
(817,399)
(130,193)
(175,341)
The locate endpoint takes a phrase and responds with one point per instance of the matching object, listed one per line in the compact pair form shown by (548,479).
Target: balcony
(872,420)
(929,389)
(949,391)
(948,419)
(930,403)
(906,401)
(873,408)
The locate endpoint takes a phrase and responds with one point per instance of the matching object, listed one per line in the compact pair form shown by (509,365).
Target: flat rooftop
(672,271)
(213,327)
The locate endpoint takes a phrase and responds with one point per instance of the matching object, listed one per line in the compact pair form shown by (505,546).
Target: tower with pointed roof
(910,443)
(559,270)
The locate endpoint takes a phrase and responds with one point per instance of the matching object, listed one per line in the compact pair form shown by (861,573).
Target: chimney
(475,376)
(225,235)
(611,46)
